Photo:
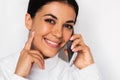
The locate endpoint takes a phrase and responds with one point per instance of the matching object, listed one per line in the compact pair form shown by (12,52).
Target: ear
(28,21)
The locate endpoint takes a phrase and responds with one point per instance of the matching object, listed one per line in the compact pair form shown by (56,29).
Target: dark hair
(35,5)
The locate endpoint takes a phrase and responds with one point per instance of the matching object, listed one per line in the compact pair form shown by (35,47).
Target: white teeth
(53,43)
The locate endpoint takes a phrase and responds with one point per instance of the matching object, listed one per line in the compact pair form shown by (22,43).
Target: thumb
(29,41)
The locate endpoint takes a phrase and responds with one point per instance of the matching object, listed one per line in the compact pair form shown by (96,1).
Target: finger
(38,58)
(29,41)
(83,49)
(37,55)
(75,43)
(78,48)
(39,62)
(76,36)
(35,52)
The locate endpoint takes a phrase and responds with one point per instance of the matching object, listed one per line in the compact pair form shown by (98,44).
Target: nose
(57,31)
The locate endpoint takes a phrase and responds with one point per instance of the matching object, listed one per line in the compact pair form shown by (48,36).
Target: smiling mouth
(52,43)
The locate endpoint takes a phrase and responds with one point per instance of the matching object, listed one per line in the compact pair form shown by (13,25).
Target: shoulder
(63,66)
(63,63)
(9,62)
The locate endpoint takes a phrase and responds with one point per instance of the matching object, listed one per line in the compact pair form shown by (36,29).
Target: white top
(55,69)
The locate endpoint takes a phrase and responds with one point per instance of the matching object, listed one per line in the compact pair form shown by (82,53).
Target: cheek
(42,29)
(67,36)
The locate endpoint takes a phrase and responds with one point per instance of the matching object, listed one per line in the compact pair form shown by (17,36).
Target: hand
(84,57)
(28,57)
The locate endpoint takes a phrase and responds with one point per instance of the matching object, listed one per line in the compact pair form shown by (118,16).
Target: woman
(50,24)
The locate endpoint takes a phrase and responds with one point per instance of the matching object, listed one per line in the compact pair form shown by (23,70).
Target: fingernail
(71,38)
(73,50)
(33,32)
(72,47)
(43,68)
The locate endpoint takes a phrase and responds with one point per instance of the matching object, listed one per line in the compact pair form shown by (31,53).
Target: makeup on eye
(50,18)
(68,26)
(51,21)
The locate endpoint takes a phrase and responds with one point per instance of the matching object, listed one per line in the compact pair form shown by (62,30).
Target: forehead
(59,9)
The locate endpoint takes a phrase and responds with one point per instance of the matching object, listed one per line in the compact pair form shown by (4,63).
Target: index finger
(29,41)
(78,36)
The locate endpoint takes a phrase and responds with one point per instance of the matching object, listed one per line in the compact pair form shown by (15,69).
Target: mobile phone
(70,52)
(71,55)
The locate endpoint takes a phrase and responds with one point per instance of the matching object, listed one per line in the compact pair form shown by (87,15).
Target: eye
(68,26)
(51,21)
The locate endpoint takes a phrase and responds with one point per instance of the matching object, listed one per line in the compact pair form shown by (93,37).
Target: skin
(47,37)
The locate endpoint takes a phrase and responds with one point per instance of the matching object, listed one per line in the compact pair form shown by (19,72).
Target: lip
(51,43)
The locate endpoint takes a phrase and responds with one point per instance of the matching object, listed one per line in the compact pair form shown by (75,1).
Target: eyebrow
(51,15)
(69,21)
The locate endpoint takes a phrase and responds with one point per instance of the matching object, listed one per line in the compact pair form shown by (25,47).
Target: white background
(98,22)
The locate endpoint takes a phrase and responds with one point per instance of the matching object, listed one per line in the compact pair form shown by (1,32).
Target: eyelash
(68,26)
(51,21)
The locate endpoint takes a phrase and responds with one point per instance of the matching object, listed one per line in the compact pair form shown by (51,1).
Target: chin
(50,53)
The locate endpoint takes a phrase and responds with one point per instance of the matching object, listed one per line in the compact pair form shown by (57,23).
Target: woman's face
(53,26)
